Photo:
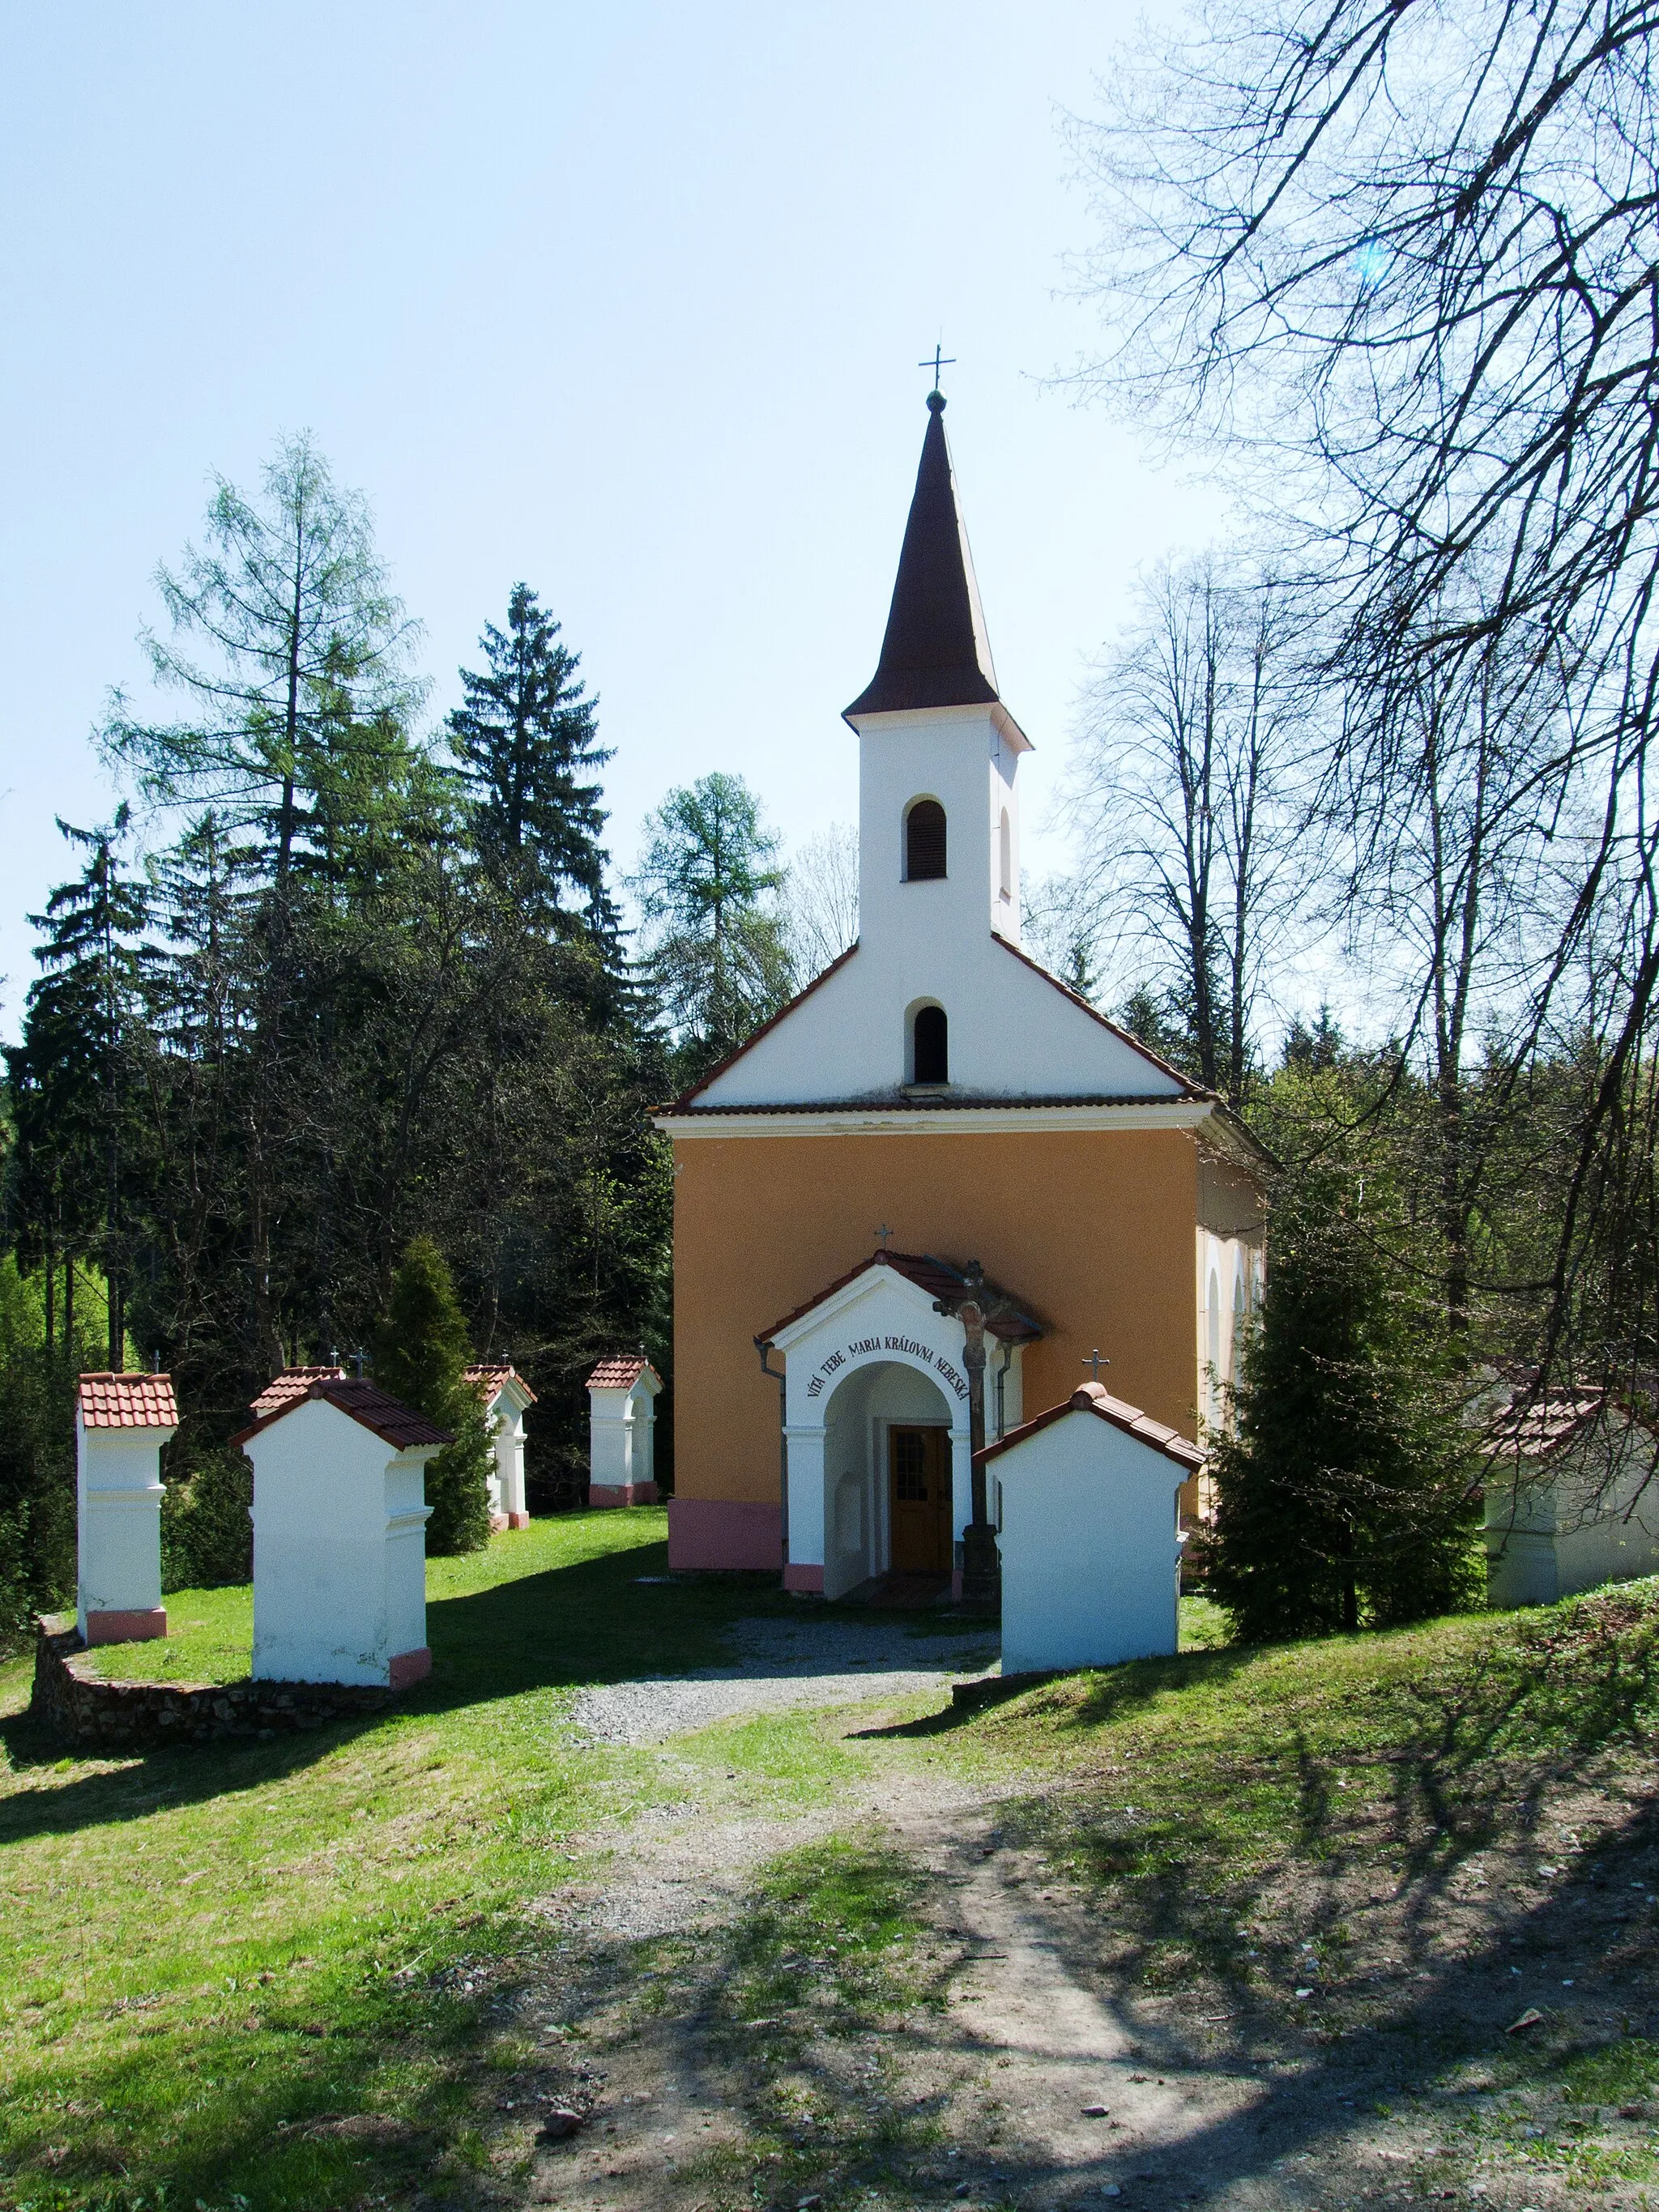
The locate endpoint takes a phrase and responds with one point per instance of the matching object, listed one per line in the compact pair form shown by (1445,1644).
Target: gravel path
(778,1663)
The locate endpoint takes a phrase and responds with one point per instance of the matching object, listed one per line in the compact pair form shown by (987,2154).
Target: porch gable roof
(936,1278)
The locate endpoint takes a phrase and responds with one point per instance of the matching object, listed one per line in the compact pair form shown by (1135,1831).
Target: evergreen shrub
(1345,1481)
(421,1356)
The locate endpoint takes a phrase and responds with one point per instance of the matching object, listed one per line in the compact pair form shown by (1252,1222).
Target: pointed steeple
(936,653)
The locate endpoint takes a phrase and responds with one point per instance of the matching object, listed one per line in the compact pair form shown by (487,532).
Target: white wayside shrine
(1570,1498)
(121,1423)
(1085,1500)
(506,1398)
(339,1536)
(621,1425)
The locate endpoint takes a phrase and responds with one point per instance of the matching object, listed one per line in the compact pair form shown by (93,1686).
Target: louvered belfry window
(924,842)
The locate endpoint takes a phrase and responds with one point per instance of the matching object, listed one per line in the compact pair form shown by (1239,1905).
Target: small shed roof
(395,1423)
(1538,1429)
(621,1370)
(1094,1398)
(292,1382)
(127,1401)
(490,1377)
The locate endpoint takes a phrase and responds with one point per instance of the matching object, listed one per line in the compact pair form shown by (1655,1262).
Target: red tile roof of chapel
(394,1423)
(487,1376)
(1095,1398)
(292,1382)
(127,1401)
(939,1277)
(620,1371)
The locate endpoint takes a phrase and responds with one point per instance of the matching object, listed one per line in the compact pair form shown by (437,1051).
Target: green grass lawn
(202,1946)
(204,1942)
(211,1632)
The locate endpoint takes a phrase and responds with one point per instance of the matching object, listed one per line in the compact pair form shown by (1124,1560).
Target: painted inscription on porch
(837,1360)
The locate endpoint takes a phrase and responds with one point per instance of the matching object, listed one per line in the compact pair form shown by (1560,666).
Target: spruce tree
(527,743)
(421,1356)
(70,1075)
(1343,1485)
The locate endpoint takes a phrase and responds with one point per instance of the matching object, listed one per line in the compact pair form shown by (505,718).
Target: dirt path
(1034,2071)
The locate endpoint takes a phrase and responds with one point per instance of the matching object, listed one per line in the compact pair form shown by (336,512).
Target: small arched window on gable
(924,842)
(1004,858)
(930,1046)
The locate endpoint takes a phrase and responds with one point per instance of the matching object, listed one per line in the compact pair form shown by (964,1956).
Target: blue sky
(622,300)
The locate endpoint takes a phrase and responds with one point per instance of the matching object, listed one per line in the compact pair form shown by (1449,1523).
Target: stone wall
(72,1701)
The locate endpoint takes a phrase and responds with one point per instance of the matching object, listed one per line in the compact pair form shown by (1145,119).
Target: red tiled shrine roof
(487,1376)
(1543,1427)
(395,1423)
(128,1402)
(620,1371)
(1095,1398)
(292,1382)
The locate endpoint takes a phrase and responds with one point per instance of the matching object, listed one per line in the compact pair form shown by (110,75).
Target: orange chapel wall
(1094,1227)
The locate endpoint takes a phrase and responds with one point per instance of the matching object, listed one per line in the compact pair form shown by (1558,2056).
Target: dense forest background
(326,984)
(1365,840)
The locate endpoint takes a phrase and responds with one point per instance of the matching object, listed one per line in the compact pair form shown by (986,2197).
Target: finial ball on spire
(936,403)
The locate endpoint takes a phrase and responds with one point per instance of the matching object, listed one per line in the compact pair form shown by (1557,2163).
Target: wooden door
(919,1495)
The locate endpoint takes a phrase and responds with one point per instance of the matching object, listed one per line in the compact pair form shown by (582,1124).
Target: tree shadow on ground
(612,1617)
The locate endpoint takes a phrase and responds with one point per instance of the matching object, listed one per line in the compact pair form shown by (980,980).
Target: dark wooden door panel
(918,1494)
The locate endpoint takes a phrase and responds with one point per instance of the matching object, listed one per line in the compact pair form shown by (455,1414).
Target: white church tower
(936,1005)
(938,802)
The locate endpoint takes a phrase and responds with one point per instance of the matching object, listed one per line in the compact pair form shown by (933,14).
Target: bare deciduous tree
(1179,784)
(820,897)
(1403,255)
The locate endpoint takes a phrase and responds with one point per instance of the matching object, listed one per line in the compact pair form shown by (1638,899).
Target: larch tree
(707,884)
(304,648)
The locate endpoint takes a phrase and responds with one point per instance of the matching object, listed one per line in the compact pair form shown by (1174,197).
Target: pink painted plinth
(497,1523)
(718,1532)
(517,1520)
(409,1667)
(804,1577)
(137,1627)
(601,1495)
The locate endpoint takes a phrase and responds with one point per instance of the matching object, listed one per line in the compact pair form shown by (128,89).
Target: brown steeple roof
(936,653)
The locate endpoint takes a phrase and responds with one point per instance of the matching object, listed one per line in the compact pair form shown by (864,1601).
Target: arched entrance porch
(887,1477)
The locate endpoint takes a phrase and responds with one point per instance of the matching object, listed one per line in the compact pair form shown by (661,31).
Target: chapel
(934,1117)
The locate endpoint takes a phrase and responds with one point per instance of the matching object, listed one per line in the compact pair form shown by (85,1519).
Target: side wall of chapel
(1094,1227)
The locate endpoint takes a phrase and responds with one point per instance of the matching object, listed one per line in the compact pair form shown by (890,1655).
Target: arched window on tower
(930,1046)
(924,842)
(1004,858)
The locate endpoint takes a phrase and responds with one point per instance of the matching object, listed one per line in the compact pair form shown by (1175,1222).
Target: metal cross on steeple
(941,360)
(883,1233)
(1096,1360)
